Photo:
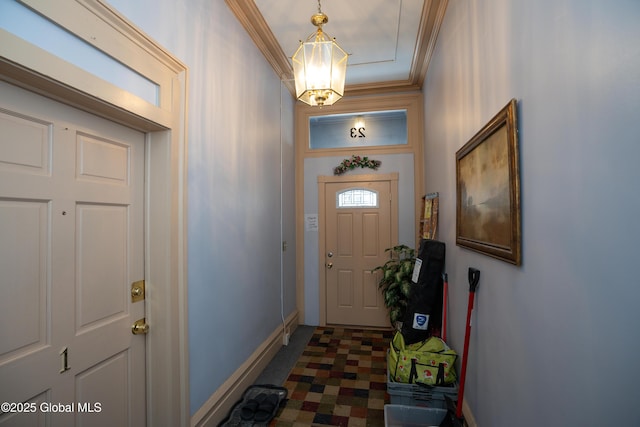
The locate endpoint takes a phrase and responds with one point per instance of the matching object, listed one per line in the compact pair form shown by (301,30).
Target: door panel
(370,291)
(113,407)
(344,236)
(102,161)
(71,243)
(357,238)
(29,419)
(345,289)
(102,244)
(24,271)
(25,145)
(370,235)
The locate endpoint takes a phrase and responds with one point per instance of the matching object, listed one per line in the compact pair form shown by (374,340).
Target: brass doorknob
(329,265)
(140,327)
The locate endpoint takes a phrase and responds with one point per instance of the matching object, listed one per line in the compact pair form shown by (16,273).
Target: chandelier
(319,66)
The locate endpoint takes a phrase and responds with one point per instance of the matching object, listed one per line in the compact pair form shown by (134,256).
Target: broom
(454,416)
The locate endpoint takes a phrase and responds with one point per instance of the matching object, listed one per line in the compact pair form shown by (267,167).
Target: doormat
(339,380)
(258,406)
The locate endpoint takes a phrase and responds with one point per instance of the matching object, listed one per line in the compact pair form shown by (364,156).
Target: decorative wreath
(356,162)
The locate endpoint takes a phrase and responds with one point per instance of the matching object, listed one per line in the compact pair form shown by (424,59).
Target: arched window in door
(357,198)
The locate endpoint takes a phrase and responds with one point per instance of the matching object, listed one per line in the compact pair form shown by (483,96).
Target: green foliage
(396,281)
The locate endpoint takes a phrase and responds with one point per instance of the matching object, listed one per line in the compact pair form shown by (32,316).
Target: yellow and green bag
(429,362)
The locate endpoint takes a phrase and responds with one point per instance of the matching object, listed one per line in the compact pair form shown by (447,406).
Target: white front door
(358,229)
(71,244)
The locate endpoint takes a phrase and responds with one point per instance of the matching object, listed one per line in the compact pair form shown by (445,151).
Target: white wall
(555,341)
(238,132)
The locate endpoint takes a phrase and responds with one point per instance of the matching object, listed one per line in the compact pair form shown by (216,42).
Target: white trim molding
(468,415)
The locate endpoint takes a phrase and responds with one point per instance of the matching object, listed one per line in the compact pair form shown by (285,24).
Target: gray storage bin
(417,399)
(420,395)
(412,416)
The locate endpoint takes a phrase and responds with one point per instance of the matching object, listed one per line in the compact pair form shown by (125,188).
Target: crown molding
(430,22)
(254,23)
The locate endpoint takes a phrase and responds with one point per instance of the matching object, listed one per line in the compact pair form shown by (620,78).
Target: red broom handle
(445,291)
(465,352)
(474,278)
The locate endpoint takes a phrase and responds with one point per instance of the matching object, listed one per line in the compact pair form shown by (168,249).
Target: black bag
(423,316)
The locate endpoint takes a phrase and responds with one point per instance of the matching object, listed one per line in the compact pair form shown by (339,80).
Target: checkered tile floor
(339,380)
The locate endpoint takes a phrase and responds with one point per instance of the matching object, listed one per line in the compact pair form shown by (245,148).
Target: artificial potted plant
(396,282)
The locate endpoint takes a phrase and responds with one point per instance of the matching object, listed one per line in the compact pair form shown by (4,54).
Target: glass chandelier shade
(319,67)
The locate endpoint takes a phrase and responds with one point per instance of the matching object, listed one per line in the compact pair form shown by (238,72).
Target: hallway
(334,376)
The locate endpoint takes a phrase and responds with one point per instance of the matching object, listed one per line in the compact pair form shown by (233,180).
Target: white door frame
(32,68)
(322,217)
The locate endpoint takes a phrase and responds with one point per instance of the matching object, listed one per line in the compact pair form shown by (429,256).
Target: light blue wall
(317,166)
(555,341)
(288,205)
(240,126)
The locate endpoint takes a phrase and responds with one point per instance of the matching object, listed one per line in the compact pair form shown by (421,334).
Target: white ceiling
(389,41)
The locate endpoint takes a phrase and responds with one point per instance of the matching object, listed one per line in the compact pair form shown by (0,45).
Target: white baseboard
(468,415)
(217,407)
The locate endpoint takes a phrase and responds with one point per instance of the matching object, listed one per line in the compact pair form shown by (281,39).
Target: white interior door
(357,232)
(71,244)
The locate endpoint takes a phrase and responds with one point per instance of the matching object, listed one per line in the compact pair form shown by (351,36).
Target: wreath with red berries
(356,162)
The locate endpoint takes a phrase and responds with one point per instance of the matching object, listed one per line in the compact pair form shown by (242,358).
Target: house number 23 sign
(357,132)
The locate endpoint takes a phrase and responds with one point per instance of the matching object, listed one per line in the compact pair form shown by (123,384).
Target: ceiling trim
(254,23)
(430,22)
(252,20)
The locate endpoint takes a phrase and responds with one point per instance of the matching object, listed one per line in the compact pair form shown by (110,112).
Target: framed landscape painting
(488,189)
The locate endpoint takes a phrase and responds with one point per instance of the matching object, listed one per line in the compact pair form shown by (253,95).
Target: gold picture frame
(488,189)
